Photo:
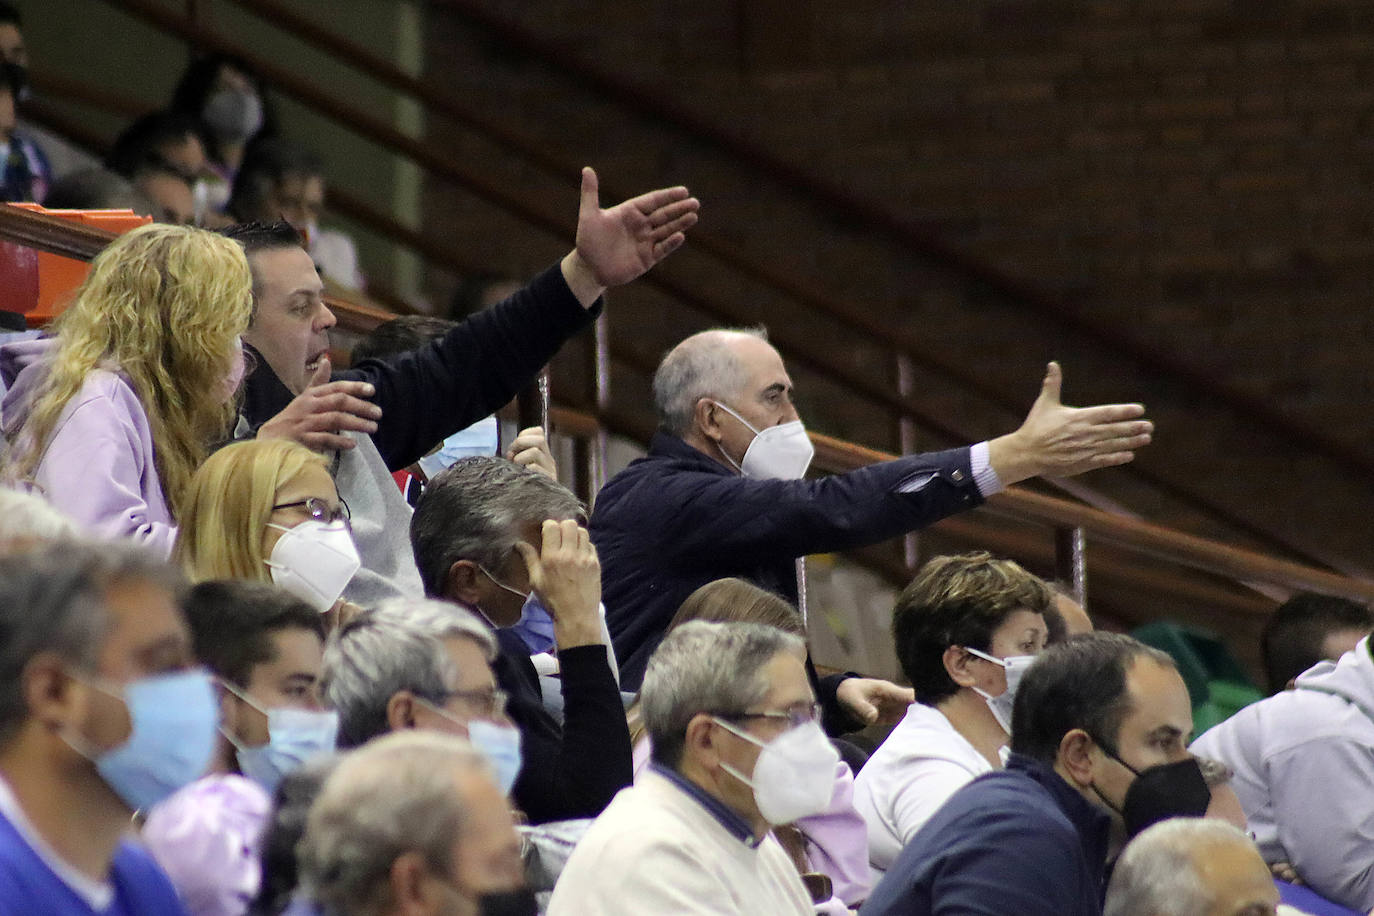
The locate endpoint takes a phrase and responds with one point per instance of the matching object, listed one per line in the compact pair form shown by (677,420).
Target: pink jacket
(98,467)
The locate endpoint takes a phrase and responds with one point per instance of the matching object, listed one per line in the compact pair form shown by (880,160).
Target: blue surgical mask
(536,626)
(481,439)
(293,737)
(171,738)
(500,744)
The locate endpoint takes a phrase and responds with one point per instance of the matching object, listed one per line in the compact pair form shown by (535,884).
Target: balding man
(1191,867)
(720,492)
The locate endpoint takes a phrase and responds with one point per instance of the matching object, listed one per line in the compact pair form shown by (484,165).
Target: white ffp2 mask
(794,776)
(314,561)
(781,452)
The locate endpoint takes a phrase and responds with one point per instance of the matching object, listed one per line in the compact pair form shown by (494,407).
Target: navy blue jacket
(437,389)
(676,519)
(1020,840)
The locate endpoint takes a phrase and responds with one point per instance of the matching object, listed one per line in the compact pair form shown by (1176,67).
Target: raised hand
(531,450)
(618,245)
(317,417)
(566,575)
(1060,441)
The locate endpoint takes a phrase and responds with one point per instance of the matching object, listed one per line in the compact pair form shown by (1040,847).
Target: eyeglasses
(795,717)
(319,510)
(489,704)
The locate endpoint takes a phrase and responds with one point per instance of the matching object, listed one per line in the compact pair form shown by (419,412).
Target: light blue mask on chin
(294,736)
(171,741)
(481,439)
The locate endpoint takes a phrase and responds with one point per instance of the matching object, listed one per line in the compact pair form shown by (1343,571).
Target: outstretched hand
(618,245)
(319,415)
(1060,441)
(874,701)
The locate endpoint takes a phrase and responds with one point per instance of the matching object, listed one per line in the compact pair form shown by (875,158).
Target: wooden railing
(801,350)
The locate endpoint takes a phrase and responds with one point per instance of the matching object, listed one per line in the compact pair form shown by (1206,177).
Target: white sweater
(655,849)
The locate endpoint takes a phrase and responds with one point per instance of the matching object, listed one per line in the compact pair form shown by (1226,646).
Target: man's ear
(462,582)
(707,417)
(956,661)
(408,877)
(51,695)
(400,711)
(700,742)
(1076,757)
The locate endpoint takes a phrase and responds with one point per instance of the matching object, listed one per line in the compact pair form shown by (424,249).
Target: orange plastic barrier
(38,284)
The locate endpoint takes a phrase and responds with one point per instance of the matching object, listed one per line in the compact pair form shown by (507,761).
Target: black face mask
(520,902)
(1161,792)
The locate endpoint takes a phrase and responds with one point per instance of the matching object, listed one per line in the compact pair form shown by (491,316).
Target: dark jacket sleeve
(576,772)
(757,521)
(433,391)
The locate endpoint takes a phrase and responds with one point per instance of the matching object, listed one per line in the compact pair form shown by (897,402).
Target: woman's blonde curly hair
(165,306)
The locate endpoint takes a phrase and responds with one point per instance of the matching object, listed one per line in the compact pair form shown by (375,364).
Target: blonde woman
(267,510)
(113,414)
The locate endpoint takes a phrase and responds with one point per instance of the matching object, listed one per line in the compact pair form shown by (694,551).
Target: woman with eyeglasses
(267,510)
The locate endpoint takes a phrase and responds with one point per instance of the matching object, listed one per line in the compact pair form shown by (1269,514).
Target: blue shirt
(1020,840)
(29,887)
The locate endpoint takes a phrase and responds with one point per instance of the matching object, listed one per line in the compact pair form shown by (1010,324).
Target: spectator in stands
(26,175)
(1306,629)
(720,492)
(505,541)
(1097,744)
(265,649)
(158,149)
(737,749)
(97,189)
(1064,617)
(412,663)
(1191,867)
(281,836)
(283,180)
(228,100)
(103,716)
(415,402)
(172,193)
(60,156)
(965,630)
(1303,761)
(266,510)
(410,332)
(111,417)
(412,823)
(835,840)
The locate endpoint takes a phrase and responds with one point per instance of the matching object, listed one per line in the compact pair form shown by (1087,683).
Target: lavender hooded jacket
(98,467)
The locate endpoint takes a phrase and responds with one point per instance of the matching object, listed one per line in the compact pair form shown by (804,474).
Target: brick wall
(1193,170)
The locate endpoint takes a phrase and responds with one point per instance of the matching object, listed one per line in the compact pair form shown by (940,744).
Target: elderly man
(505,540)
(382,416)
(1191,867)
(413,824)
(101,715)
(720,492)
(1098,746)
(737,749)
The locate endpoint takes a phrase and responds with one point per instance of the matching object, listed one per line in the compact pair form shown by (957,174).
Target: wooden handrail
(920,239)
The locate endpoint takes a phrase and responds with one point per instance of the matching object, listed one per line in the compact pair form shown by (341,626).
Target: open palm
(622,243)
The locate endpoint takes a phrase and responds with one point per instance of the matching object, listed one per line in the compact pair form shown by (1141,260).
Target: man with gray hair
(737,750)
(506,540)
(101,715)
(413,823)
(721,492)
(1191,867)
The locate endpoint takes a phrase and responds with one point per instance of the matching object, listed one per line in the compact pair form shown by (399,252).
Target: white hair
(394,795)
(1157,874)
(702,366)
(396,646)
(30,516)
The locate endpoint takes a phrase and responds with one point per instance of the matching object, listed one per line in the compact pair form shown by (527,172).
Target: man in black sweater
(508,542)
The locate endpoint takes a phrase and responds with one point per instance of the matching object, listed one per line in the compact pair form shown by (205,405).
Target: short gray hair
(474,510)
(1157,874)
(393,796)
(53,599)
(396,646)
(29,516)
(706,667)
(699,367)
